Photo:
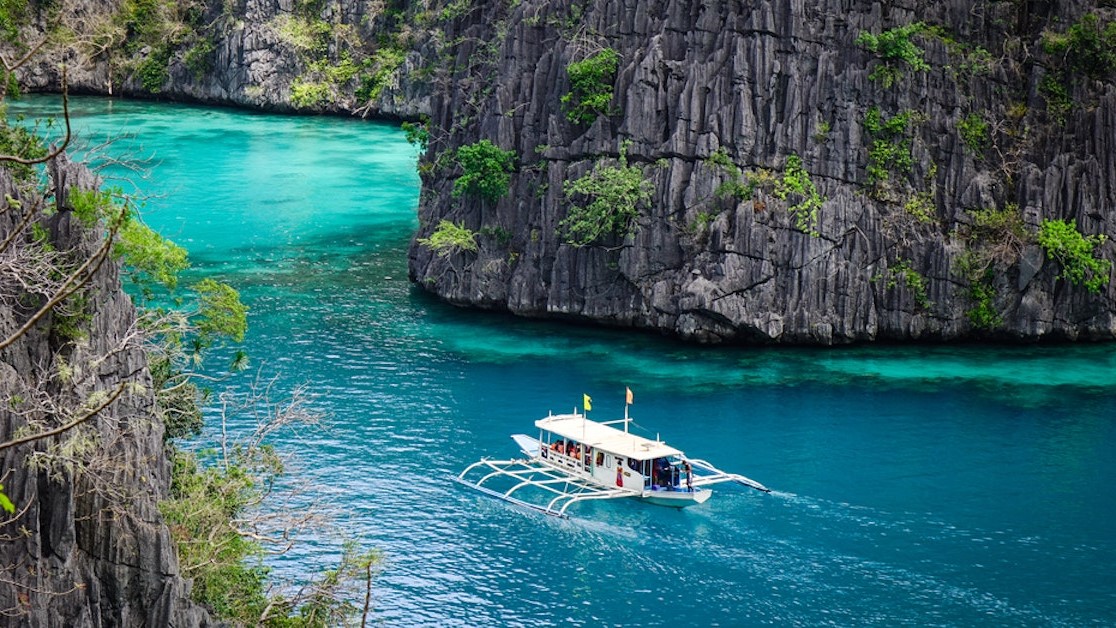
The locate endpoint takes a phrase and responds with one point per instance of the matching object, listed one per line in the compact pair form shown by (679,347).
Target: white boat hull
(584,461)
(677,499)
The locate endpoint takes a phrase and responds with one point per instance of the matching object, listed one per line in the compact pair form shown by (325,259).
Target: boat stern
(676,498)
(528,445)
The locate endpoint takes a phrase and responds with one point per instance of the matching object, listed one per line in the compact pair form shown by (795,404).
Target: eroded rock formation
(86,545)
(908,256)
(928,171)
(315,56)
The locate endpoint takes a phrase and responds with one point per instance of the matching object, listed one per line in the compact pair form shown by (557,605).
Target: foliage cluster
(1057,97)
(157,28)
(380,70)
(794,180)
(911,279)
(307,33)
(983,314)
(1076,253)
(13,15)
(921,206)
(612,196)
(993,242)
(220,311)
(485,169)
(321,83)
(449,238)
(336,58)
(417,133)
(890,150)
(199,57)
(974,131)
(1087,47)
(591,86)
(894,47)
(148,256)
(19,139)
(212,496)
(797,181)
(733,186)
(202,504)
(309,94)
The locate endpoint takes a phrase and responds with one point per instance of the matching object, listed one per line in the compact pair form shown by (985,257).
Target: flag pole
(627,402)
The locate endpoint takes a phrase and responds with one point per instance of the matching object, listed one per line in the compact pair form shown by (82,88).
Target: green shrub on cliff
(911,279)
(591,85)
(974,131)
(894,48)
(796,181)
(485,169)
(18,139)
(612,198)
(449,238)
(381,70)
(221,539)
(1076,253)
(154,29)
(793,182)
(1087,47)
(889,149)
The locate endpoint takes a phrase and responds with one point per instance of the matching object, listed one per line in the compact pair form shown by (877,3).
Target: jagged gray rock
(763,81)
(87,547)
(252,64)
(759,82)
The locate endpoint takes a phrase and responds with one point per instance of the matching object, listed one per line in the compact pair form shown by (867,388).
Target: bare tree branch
(71,284)
(68,426)
(65,140)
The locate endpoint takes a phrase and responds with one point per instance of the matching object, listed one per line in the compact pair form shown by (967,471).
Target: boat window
(634,464)
(600,458)
(608,461)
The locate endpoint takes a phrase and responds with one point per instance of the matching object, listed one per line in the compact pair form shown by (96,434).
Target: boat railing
(562,460)
(712,475)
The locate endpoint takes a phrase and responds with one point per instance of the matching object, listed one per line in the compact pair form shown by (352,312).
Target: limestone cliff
(87,545)
(820,173)
(933,181)
(316,56)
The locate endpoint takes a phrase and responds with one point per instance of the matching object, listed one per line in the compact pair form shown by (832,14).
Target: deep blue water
(913,484)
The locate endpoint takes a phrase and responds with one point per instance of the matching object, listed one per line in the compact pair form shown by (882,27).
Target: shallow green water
(914,485)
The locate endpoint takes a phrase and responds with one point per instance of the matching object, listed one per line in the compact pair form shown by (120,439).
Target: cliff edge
(86,544)
(823,173)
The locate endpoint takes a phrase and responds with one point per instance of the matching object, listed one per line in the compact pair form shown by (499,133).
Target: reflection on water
(914,484)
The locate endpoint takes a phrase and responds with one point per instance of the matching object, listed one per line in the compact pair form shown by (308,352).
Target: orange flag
(629,396)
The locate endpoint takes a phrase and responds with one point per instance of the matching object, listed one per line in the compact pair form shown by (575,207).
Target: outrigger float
(575,459)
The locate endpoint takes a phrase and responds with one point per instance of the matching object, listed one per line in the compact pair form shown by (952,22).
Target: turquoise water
(913,485)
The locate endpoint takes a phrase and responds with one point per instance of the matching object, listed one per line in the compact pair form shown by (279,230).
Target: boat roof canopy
(578,428)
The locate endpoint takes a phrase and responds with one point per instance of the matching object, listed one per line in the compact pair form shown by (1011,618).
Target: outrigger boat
(575,459)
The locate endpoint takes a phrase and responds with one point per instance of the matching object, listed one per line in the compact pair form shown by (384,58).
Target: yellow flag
(588,402)
(629,395)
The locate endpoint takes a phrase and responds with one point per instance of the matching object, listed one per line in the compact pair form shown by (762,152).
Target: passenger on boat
(689,471)
(661,472)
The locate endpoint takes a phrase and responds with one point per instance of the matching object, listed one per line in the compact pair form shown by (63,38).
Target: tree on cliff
(90,390)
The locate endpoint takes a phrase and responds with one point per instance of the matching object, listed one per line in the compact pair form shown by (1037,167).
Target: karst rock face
(86,545)
(998,123)
(245,53)
(820,173)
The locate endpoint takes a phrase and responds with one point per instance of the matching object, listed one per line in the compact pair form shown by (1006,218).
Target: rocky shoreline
(929,184)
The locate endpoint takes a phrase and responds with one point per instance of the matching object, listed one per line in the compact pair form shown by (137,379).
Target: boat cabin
(611,457)
(575,460)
